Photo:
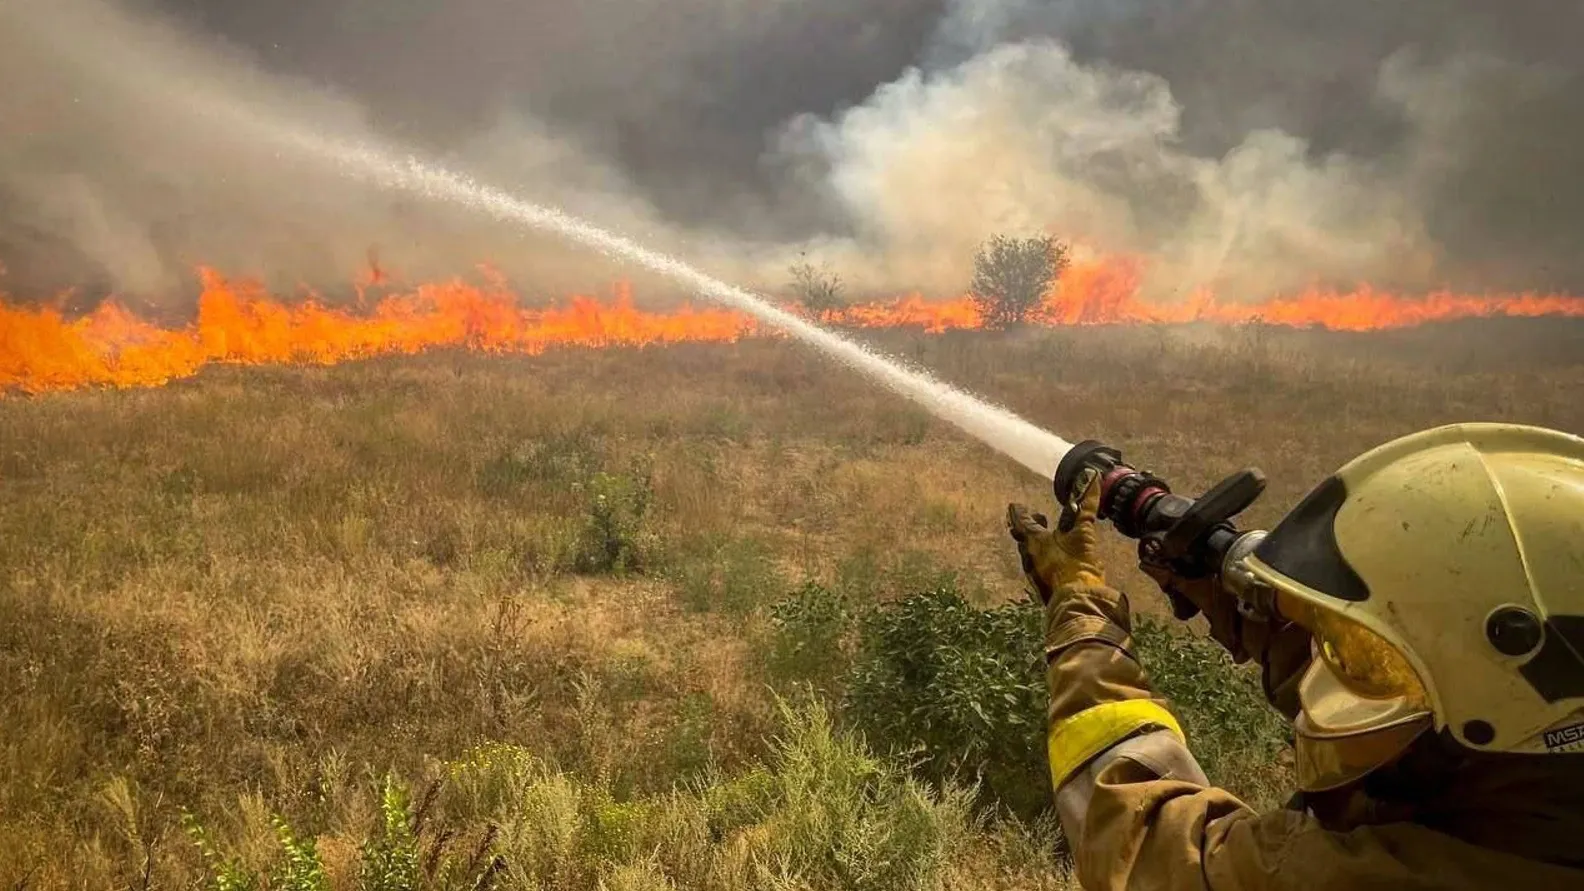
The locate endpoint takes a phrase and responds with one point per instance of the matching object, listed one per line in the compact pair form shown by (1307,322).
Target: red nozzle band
(1108,486)
(1125,494)
(1141,502)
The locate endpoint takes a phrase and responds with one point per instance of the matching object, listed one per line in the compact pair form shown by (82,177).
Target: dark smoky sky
(681,94)
(1305,141)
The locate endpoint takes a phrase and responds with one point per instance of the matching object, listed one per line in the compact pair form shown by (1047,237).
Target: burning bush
(1013,275)
(817,288)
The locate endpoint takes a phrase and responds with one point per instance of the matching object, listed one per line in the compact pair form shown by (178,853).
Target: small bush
(960,687)
(390,856)
(399,855)
(1013,275)
(687,751)
(819,812)
(964,689)
(614,538)
(843,819)
(810,632)
(817,288)
(300,868)
(605,511)
(224,873)
(725,574)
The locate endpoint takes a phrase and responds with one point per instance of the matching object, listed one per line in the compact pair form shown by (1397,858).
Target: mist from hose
(1034,448)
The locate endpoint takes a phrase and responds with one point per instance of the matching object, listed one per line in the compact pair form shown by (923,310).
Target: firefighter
(1429,650)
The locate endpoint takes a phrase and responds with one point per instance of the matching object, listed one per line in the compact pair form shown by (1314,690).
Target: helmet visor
(1361,660)
(1361,702)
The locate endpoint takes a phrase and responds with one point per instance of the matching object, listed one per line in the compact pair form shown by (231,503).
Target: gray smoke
(112,176)
(1250,146)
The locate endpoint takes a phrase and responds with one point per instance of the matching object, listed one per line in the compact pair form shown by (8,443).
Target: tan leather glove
(1054,559)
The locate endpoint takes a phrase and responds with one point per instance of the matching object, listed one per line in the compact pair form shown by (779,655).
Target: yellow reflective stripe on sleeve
(1076,740)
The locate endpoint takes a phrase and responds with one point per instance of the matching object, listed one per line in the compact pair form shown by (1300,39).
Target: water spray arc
(1036,449)
(384,168)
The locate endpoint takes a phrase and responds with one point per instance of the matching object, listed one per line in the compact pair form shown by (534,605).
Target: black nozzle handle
(1216,507)
(1188,534)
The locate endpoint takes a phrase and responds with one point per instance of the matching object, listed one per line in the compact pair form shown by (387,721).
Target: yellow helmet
(1442,575)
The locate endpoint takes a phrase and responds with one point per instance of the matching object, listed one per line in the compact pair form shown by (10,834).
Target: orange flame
(241,323)
(1105,292)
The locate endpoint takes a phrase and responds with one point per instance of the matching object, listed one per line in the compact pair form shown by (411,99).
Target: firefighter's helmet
(1442,575)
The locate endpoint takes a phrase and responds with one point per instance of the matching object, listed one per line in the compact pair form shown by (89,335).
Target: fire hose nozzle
(1193,537)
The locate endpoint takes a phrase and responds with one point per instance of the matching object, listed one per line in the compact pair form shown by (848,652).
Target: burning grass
(263,590)
(239,322)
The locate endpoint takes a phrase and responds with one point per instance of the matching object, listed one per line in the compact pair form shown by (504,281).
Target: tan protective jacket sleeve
(1141,814)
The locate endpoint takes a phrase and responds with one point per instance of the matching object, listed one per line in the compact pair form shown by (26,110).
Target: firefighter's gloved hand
(1054,559)
(1203,595)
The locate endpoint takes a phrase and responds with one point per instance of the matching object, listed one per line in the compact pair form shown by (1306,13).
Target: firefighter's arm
(1131,798)
(1133,802)
(1100,700)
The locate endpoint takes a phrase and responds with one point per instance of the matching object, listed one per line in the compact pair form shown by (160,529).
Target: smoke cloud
(1248,147)
(114,176)
(1021,137)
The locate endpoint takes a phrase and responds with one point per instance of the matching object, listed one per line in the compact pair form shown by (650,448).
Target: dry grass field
(620,619)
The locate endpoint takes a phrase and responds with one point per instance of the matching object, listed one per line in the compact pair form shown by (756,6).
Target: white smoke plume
(1023,138)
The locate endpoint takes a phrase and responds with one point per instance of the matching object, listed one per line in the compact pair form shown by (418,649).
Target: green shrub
(735,803)
(390,856)
(809,638)
(687,753)
(726,574)
(614,537)
(963,689)
(608,510)
(1012,275)
(403,853)
(611,829)
(224,873)
(300,868)
(819,812)
(844,819)
(959,688)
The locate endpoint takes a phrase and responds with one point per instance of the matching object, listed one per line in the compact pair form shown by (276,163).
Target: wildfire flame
(239,322)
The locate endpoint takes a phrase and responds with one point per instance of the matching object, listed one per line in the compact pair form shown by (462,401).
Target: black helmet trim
(1303,546)
(1557,671)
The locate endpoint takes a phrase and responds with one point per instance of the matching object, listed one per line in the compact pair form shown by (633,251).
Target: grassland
(618,618)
